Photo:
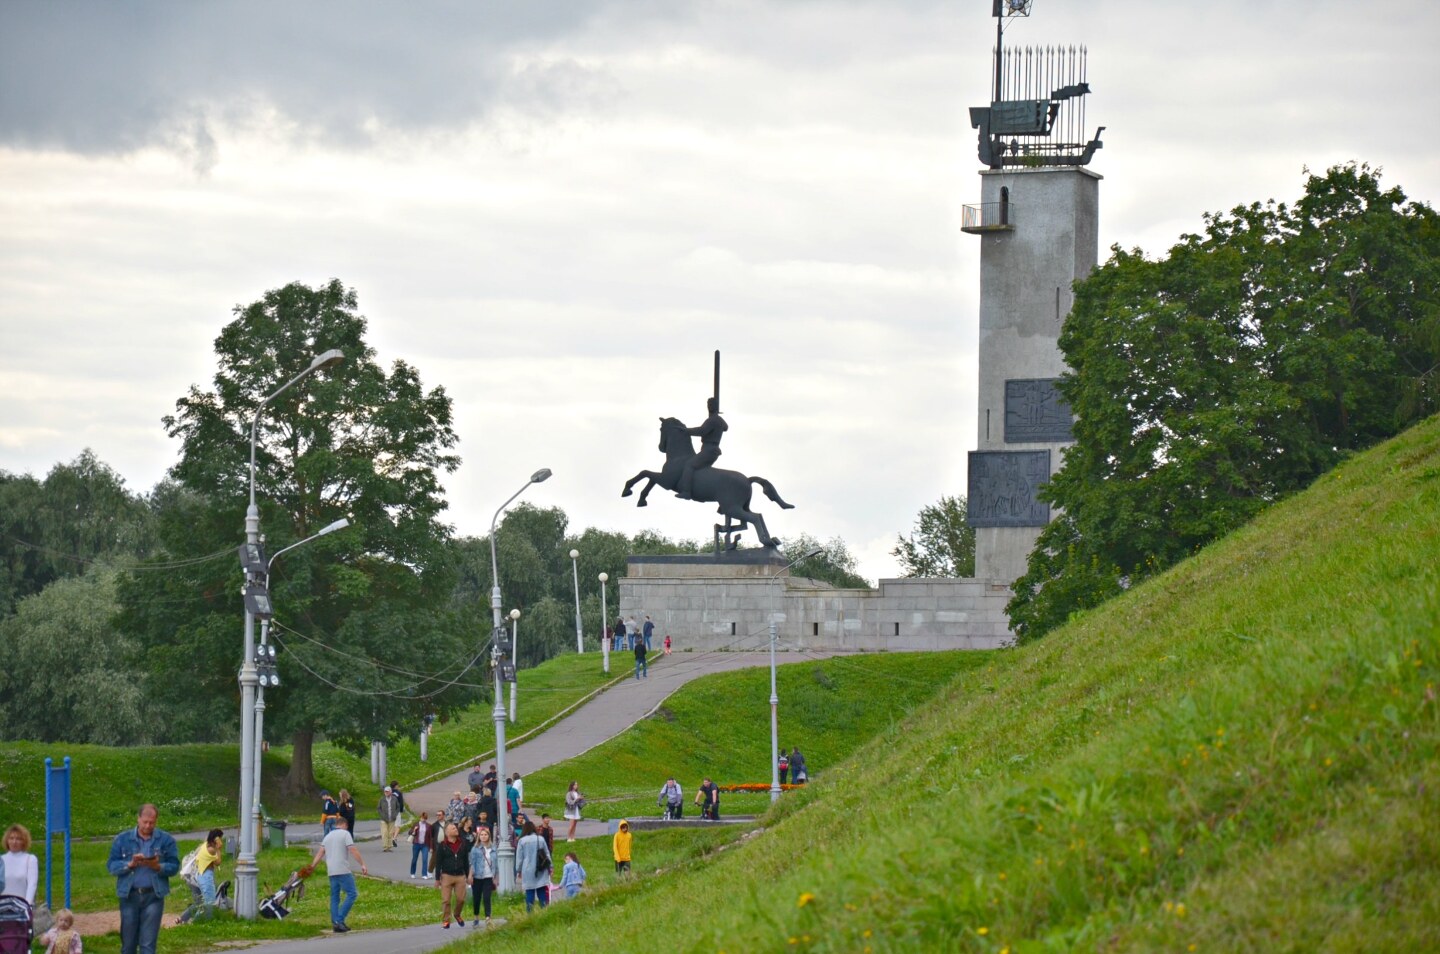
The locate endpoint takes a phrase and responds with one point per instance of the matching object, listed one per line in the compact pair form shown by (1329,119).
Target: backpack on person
(542,859)
(190,868)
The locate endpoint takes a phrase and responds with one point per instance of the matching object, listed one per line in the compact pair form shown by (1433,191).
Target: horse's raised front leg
(648,475)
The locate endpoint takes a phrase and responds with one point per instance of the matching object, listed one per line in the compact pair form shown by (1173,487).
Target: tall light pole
(579,634)
(247,901)
(604,622)
(774,696)
(505,854)
(514,656)
(273,679)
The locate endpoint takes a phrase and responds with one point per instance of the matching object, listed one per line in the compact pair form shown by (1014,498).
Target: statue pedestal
(713,603)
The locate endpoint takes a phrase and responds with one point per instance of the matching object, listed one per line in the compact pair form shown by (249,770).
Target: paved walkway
(602,718)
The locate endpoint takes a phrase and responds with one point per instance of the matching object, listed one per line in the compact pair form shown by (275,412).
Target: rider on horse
(709,433)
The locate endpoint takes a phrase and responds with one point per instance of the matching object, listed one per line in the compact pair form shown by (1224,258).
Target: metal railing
(988,216)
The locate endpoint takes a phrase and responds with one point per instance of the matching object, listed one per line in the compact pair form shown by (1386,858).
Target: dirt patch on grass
(108,922)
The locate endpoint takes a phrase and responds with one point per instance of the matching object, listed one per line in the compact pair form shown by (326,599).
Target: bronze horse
(729,490)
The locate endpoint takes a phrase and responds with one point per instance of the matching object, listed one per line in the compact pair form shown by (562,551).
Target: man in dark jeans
(142,859)
(642,666)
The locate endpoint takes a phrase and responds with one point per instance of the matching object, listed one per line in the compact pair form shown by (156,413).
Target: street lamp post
(272,679)
(604,622)
(579,634)
(774,696)
(505,855)
(247,900)
(514,656)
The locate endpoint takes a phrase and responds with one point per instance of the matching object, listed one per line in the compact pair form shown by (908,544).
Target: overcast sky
(559,210)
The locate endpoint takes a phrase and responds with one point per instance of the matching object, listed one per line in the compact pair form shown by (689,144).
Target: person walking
(574,803)
(642,666)
(475,779)
(708,798)
(572,879)
(632,632)
(784,764)
(421,837)
(620,847)
(20,870)
(399,797)
(667,644)
(482,875)
(345,805)
(142,859)
(207,863)
(389,811)
(671,798)
(337,848)
(532,867)
(619,634)
(798,773)
(452,868)
(647,630)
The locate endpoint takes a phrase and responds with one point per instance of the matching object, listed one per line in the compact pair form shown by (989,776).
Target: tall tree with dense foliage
(363,616)
(1230,373)
(79,515)
(942,545)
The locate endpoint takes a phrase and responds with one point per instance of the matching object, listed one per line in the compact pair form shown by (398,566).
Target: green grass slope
(1240,755)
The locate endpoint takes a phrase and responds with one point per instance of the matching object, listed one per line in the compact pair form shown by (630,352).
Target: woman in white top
(22,871)
(573,798)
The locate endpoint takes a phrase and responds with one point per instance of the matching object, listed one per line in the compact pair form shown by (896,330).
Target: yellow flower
(794,940)
(982,931)
(867,933)
(1002,876)
(850,907)
(1180,910)
(805,899)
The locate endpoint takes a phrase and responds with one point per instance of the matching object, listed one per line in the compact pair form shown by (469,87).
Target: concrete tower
(1038,222)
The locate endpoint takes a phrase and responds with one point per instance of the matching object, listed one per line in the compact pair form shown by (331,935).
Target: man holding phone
(142,859)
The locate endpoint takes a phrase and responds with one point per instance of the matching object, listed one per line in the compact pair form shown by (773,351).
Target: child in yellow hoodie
(622,848)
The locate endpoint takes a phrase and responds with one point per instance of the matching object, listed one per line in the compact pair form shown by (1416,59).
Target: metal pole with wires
(257,603)
(505,852)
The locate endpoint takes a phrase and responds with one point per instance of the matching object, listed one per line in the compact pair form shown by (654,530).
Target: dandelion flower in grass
(982,931)
(866,933)
(805,899)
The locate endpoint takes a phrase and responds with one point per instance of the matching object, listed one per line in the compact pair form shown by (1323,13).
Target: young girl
(667,644)
(62,938)
(574,801)
(572,879)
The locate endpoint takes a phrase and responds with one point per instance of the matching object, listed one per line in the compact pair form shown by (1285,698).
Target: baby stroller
(291,891)
(16,925)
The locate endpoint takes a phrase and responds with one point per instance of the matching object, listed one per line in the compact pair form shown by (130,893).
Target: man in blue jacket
(142,859)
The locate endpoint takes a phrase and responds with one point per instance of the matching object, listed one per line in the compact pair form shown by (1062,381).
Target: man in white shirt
(337,849)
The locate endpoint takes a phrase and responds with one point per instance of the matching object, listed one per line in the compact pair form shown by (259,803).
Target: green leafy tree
(79,515)
(66,673)
(835,564)
(1230,373)
(942,545)
(365,617)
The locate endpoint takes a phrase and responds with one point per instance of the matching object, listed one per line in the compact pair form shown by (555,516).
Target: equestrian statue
(693,476)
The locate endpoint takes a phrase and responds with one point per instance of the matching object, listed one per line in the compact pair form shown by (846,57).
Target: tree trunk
(299,782)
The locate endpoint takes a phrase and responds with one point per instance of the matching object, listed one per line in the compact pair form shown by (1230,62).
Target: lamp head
(327,359)
(340,524)
(514,614)
(540,475)
(604,577)
(574,554)
(813,553)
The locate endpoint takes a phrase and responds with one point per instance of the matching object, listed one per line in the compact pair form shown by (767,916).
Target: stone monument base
(725,603)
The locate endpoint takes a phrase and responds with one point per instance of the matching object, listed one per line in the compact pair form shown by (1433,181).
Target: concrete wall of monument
(732,612)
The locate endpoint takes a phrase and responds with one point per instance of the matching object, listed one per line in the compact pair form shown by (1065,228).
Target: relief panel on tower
(1035,412)
(1003,489)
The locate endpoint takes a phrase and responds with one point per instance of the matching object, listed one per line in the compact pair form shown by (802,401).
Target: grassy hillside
(1240,755)
(720,726)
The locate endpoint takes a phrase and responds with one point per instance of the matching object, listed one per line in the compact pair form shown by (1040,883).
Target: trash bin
(277,832)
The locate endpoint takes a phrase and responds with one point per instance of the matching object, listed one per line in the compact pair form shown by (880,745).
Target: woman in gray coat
(533,866)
